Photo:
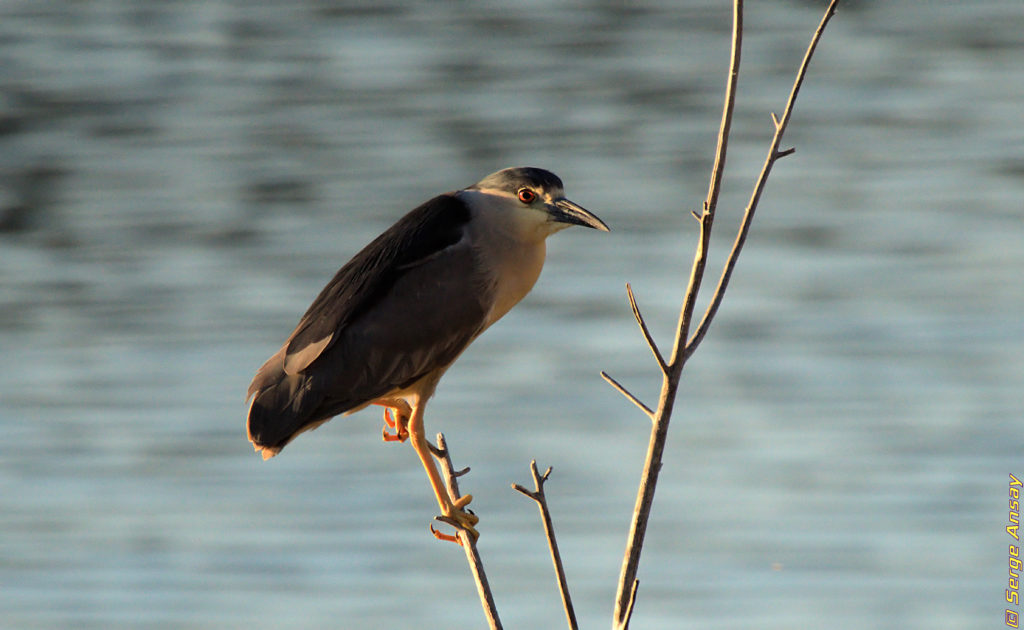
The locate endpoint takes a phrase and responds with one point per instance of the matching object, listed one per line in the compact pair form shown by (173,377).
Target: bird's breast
(516,268)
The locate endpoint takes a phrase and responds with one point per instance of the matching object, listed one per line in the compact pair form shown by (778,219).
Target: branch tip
(625,392)
(519,488)
(638,316)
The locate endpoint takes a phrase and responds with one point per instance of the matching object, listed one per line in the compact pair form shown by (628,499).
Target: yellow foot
(398,424)
(459,518)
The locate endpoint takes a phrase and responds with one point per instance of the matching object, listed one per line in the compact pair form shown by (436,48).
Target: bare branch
(625,392)
(670,381)
(476,565)
(685,345)
(711,202)
(549,531)
(646,332)
(773,155)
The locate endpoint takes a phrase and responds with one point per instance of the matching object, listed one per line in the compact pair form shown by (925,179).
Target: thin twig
(549,531)
(476,565)
(773,155)
(629,396)
(646,332)
(707,217)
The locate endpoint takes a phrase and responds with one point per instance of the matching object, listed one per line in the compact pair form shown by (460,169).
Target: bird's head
(534,199)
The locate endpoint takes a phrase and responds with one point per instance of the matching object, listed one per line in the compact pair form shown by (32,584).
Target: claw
(388,420)
(459,519)
(445,537)
(466,521)
(461,515)
(473,534)
(462,518)
(393,437)
(401,433)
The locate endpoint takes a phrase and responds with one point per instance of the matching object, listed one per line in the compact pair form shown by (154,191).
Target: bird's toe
(398,424)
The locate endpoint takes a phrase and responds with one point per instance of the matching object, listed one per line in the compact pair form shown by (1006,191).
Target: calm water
(179,179)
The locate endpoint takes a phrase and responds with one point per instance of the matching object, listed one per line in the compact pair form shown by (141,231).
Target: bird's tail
(283,405)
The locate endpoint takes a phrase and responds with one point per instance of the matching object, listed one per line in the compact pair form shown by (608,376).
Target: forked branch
(549,531)
(685,345)
(628,583)
(774,154)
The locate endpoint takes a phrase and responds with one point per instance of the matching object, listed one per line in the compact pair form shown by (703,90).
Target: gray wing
(406,305)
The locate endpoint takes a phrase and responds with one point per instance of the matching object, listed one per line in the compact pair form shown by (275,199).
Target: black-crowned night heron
(397,315)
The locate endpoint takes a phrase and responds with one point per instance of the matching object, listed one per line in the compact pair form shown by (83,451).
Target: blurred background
(178,179)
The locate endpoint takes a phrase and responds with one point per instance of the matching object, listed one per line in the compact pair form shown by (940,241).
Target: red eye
(526,195)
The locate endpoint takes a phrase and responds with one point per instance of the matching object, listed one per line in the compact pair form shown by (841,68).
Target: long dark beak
(565,211)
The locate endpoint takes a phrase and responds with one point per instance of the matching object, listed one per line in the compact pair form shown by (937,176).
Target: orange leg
(453,509)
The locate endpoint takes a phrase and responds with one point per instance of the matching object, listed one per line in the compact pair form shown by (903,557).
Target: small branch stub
(632,602)
(638,316)
(625,392)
